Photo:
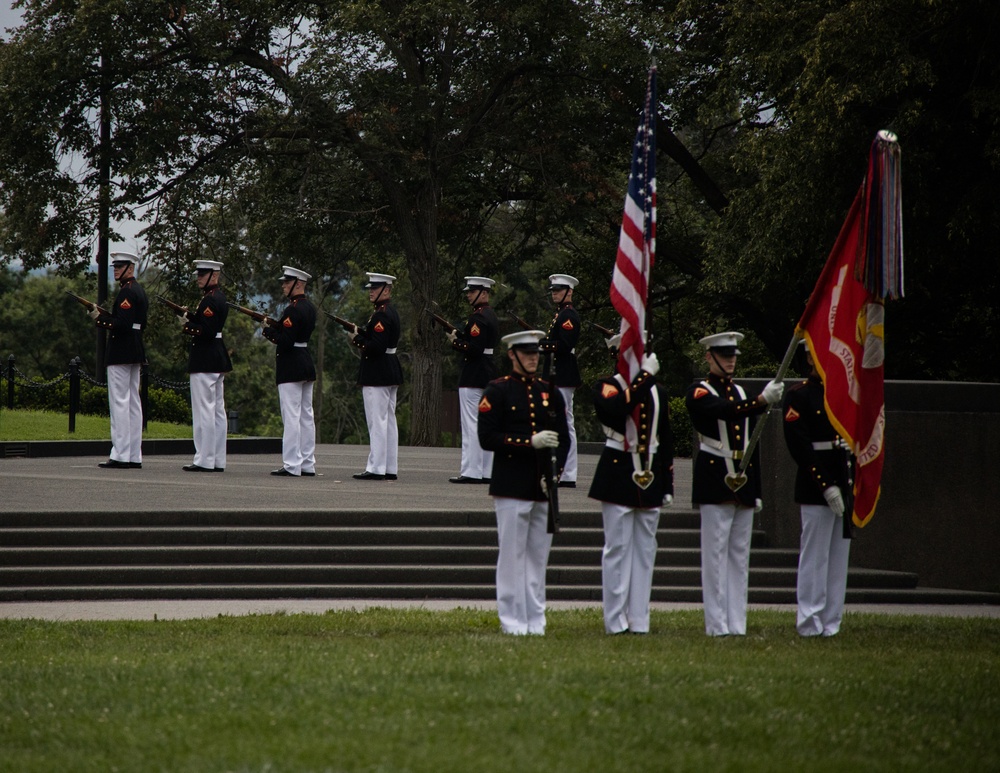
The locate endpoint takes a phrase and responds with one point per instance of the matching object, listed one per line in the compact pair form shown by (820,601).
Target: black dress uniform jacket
(806,423)
(208,352)
(511,411)
(293,363)
(739,416)
(613,481)
(562,336)
(378,367)
(126,322)
(482,332)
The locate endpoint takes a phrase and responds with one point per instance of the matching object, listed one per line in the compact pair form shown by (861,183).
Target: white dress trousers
(627,566)
(571,467)
(822,578)
(524,556)
(725,567)
(476,463)
(298,441)
(208,415)
(380,413)
(125,407)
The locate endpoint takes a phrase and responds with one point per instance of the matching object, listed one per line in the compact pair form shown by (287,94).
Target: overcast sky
(8,17)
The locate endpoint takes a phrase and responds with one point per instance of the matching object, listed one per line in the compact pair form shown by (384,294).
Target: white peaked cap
(208,265)
(295,273)
(728,340)
(379,279)
(124,257)
(472,282)
(563,280)
(524,339)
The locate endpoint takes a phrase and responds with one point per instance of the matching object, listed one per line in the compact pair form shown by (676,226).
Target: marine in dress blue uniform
(632,486)
(723,417)
(822,487)
(125,357)
(561,340)
(476,343)
(380,376)
(208,364)
(295,375)
(522,418)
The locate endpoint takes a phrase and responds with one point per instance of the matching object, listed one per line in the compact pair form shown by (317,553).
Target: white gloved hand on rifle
(182,318)
(351,331)
(772,392)
(94,313)
(614,342)
(545,439)
(451,335)
(834,500)
(650,363)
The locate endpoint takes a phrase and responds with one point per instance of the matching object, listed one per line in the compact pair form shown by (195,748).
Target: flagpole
(736,481)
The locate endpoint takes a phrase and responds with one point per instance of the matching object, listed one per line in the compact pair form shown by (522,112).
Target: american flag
(637,247)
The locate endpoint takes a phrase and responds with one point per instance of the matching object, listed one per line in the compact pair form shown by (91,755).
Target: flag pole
(736,481)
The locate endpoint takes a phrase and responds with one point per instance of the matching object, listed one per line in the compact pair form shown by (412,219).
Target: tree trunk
(417,222)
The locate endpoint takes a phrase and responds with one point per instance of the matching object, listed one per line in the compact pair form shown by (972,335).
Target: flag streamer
(637,248)
(879,262)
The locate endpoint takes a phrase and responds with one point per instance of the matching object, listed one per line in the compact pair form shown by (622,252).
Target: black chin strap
(719,364)
(378,297)
(475,300)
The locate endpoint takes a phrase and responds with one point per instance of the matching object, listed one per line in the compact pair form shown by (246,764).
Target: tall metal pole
(103,211)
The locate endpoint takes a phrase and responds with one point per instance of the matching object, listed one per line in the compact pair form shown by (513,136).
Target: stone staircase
(219,554)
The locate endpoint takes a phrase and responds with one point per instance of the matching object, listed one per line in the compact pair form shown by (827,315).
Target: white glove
(351,331)
(772,392)
(94,313)
(182,319)
(758,505)
(650,364)
(668,499)
(614,342)
(835,500)
(451,335)
(545,439)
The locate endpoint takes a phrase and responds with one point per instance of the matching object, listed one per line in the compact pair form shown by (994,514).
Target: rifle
(344,323)
(448,327)
(523,324)
(551,471)
(259,316)
(606,332)
(179,310)
(90,305)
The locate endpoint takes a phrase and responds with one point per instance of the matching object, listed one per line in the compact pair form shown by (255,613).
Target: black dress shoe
(391,476)
(218,469)
(308,474)
(196,468)
(368,476)
(114,464)
(486,480)
(135,465)
(284,473)
(464,479)
(567,484)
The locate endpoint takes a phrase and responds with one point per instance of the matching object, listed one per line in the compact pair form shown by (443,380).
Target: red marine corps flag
(637,248)
(843,321)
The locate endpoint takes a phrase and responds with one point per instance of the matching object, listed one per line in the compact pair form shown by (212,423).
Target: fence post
(10,382)
(74,392)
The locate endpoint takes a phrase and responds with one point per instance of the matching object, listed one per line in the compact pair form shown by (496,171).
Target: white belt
(719,452)
(487,351)
(218,335)
(136,326)
(391,351)
(617,445)
(301,344)
(828,445)
(612,434)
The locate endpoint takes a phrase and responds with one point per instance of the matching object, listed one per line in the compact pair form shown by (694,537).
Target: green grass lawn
(46,425)
(415,690)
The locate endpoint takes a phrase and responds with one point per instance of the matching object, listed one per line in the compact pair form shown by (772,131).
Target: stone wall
(939,512)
